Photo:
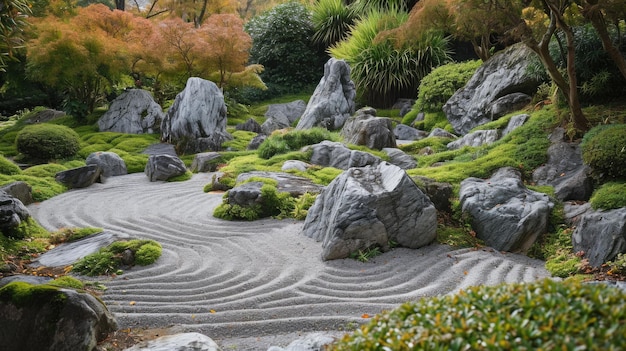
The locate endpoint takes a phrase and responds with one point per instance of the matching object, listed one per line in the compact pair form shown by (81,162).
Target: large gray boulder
(164,167)
(250,126)
(404,132)
(483,97)
(400,158)
(364,128)
(566,172)
(369,207)
(46,318)
(332,101)
(505,214)
(292,110)
(19,190)
(12,212)
(110,163)
(177,342)
(206,162)
(133,112)
(80,177)
(475,139)
(335,154)
(196,122)
(601,235)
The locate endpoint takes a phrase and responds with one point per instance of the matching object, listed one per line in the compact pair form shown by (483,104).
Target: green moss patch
(544,315)
(609,196)
(108,260)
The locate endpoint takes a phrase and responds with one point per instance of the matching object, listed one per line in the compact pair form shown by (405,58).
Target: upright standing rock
(370,206)
(486,96)
(133,112)
(601,235)
(333,100)
(364,128)
(196,122)
(110,163)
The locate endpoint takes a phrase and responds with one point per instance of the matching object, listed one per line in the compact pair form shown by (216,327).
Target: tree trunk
(594,15)
(120,5)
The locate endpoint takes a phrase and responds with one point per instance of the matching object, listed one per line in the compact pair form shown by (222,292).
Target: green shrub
(302,204)
(618,265)
(440,84)
(279,143)
(8,167)
(108,260)
(148,253)
(67,282)
(233,212)
(281,42)
(546,315)
(609,196)
(44,142)
(604,150)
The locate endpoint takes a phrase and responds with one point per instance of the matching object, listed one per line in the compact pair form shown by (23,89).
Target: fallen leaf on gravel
(132,303)
(365,315)
(212,311)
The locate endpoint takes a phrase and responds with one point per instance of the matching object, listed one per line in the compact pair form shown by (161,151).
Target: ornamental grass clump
(544,315)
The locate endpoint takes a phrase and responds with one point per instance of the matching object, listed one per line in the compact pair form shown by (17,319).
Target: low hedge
(45,142)
(604,150)
(545,315)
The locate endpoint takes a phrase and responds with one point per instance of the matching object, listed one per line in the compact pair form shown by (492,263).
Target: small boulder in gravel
(80,177)
(164,167)
(367,207)
(110,163)
(177,342)
(205,162)
(601,235)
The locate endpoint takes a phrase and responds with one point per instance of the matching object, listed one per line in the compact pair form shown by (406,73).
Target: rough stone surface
(67,254)
(439,193)
(30,279)
(44,116)
(566,172)
(335,154)
(404,105)
(250,126)
(160,149)
(515,122)
(311,342)
(110,163)
(134,112)
(505,214)
(80,177)
(256,142)
(475,139)
(573,212)
(12,212)
(420,117)
(164,167)
(294,165)
(400,158)
(404,132)
(332,101)
(196,122)
(441,133)
(364,128)
(19,190)
(370,206)
(293,110)
(509,103)
(287,182)
(178,342)
(277,122)
(501,75)
(205,162)
(601,235)
(57,320)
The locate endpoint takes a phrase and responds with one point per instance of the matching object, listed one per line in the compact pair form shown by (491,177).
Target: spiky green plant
(331,20)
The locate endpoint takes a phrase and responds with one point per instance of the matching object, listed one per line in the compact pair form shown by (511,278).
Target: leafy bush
(604,150)
(609,196)
(44,142)
(441,83)
(108,260)
(282,43)
(279,143)
(273,203)
(543,315)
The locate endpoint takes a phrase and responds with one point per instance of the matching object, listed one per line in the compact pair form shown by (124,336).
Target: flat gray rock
(67,254)
(178,342)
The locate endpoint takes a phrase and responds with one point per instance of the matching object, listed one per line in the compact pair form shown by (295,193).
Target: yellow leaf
(212,311)
(132,303)
(365,315)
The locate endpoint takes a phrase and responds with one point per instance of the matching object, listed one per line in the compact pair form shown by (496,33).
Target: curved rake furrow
(234,279)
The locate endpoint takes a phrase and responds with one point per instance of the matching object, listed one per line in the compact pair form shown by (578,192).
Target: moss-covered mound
(108,260)
(545,315)
(45,142)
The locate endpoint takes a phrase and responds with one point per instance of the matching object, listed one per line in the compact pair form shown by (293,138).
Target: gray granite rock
(335,154)
(400,158)
(364,128)
(601,235)
(177,342)
(80,177)
(110,163)
(370,206)
(205,162)
(475,139)
(332,101)
(133,112)
(505,214)
(164,167)
(19,190)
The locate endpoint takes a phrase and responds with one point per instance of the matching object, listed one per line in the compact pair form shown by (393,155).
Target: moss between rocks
(108,260)
(22,294)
